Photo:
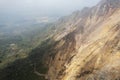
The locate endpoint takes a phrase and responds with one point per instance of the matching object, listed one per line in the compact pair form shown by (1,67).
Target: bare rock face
(90,48)
(84,46)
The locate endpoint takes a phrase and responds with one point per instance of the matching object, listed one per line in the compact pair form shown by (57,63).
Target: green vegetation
(21,53)
(23,69)
(16,46)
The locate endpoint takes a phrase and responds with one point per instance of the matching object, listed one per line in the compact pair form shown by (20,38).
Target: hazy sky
(42,7)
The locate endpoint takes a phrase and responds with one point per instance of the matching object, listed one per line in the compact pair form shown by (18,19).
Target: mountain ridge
(85,46)
(91,30)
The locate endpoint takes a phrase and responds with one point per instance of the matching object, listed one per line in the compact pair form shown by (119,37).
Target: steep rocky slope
(84,46)
(90,49)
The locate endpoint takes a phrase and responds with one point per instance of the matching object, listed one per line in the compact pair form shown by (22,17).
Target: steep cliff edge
(85,46)
(91,51)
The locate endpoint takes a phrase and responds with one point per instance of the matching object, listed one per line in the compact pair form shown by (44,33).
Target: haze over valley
(59,40)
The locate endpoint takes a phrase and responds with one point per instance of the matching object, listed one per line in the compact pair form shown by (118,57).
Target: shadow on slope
(23,69)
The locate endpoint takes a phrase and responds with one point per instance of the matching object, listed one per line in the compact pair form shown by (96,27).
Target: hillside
(84,46)
(17,41)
